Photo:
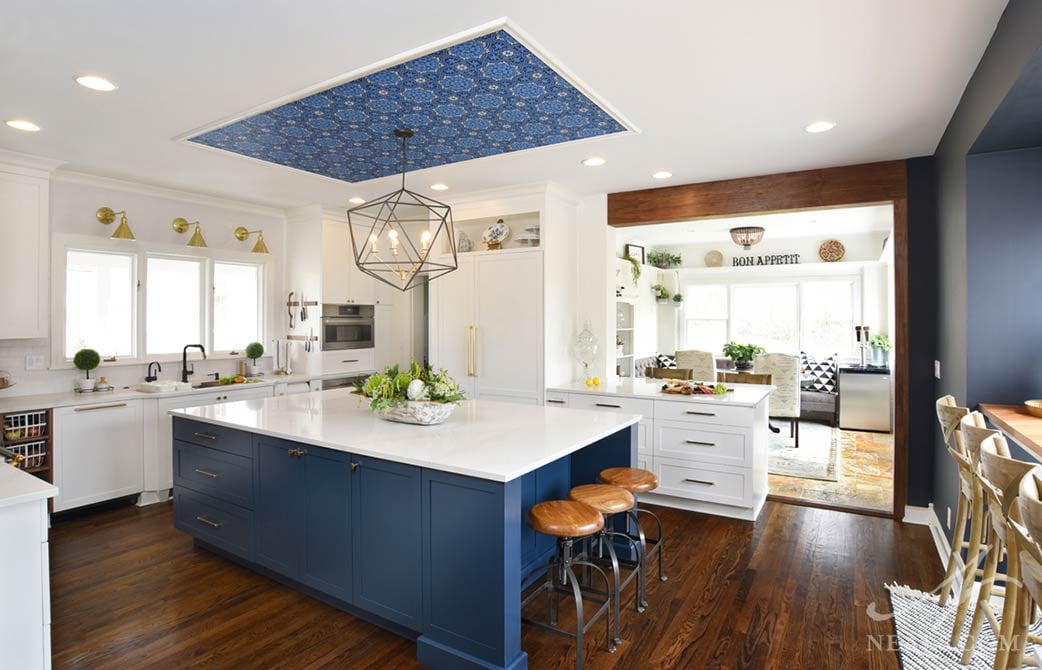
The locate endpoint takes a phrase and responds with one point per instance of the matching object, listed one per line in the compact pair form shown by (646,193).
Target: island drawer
(710,412)
(710,483)
(727,445)
(608,403)
(216,437)
(213,472)
(210,520)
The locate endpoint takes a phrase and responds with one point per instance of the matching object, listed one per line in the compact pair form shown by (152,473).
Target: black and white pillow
(823,374)
(667,362)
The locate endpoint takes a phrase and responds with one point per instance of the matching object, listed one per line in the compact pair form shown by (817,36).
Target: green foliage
(664,259)
(634,269)
(86,360)
(661,292)
(618,341)
(391,386)
(254,350)
(678,297)
(742,352)
(881,341)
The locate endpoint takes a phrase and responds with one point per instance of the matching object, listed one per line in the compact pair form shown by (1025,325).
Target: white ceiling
(717,89)
(819,223)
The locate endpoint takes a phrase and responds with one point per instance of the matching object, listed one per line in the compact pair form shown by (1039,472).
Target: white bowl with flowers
(419,395)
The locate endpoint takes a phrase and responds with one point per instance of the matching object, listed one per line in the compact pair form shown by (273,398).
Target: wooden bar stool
(637,481)
(1025,557)
(1000,477)
(610,500)
(949,415)
(568,521)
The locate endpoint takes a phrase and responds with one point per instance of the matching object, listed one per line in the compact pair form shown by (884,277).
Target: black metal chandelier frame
(409,265)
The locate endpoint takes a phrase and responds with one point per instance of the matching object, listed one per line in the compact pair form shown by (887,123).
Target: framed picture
(636,252)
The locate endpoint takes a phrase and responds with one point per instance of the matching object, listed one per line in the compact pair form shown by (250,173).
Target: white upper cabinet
(342,281)
(23,239)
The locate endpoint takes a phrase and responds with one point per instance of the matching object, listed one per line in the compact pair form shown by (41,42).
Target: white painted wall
(595,282)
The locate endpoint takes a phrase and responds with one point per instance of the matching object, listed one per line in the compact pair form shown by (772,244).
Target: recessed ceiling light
(820,127)
(96,83)
(357,201)
(662,174)
(594,161)
(439,187)
(22,124)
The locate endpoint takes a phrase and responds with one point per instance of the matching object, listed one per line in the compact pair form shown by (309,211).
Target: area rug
(816,458)
(923,628)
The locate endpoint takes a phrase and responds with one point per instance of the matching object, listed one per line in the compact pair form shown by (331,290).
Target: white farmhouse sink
(163,387)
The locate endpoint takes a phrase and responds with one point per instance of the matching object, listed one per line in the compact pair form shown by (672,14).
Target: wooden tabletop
(1014,420)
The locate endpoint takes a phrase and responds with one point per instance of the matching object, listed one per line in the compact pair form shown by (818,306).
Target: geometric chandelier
(747,236)
(394,239)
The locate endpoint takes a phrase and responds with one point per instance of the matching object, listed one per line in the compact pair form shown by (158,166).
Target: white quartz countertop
(484,439)
(17,487)
(743,395)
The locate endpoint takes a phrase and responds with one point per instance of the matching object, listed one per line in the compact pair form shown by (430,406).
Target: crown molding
(28,161)
(96,181)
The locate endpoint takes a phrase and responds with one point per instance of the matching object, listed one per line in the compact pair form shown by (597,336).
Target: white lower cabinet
(98,453)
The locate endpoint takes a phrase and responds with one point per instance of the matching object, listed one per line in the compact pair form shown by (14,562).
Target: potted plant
(634,269)
(254,350)
(742,354)
(618,346)
(664,259)
(677,299)
(86,360)
(881,346)
(661,294)
(420,395)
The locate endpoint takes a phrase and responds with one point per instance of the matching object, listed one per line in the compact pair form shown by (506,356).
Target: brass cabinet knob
(354,466)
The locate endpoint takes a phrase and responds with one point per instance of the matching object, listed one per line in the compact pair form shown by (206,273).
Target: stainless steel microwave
(347,327)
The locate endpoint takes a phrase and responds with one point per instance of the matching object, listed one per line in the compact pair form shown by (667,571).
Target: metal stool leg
(659,542)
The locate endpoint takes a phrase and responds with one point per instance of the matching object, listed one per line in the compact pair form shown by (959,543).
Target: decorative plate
(831,251)
(714,259)
(497,233)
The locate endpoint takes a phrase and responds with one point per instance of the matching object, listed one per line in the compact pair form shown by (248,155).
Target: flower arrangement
(664,259)
(413,395)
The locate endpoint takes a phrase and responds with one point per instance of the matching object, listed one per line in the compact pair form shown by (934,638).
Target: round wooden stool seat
(604,498)
(565,518)
(633,480)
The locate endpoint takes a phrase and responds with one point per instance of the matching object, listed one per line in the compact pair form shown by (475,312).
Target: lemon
(596,381)
(589,381)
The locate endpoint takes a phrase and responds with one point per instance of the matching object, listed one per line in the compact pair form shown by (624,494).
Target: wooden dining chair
(702,364)
(1000,475)
(669,373)
(784,401)
(743,378)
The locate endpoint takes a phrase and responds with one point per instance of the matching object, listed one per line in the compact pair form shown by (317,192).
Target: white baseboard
(927,516)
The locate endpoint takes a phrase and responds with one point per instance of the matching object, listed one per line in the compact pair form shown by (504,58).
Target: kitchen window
(142,301)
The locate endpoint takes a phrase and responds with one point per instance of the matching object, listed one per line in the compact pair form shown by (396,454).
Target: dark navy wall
(1004,276)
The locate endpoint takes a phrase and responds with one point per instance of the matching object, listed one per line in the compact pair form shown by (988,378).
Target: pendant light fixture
(393,236)
(747,236)
(107,215)
(242,234)
(181,225)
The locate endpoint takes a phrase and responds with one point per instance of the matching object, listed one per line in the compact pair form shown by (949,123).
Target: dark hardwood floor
(792,591)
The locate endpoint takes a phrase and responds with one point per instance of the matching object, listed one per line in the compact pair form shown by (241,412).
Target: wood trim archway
(867,184)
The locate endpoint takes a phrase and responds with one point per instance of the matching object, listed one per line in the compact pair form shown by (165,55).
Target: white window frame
(62,243)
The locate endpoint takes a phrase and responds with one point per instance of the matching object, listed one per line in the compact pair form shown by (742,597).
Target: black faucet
(153,377)
(184,360)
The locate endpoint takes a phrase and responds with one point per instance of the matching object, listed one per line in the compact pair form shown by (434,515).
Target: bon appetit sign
(769,259)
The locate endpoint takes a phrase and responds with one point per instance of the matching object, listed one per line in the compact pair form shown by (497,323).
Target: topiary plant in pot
(86,360)
(254,350)
(742,354)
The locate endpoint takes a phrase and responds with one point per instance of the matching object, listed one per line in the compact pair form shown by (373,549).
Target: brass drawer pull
(295,452)
(556,402)
(207,473)
(699,481)
(110,406)
(701,444)
(702,413)
(354,466)
(211,524)
(206,436)
(608,404)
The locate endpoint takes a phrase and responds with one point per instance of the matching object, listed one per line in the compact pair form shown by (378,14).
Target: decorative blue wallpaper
(487,96)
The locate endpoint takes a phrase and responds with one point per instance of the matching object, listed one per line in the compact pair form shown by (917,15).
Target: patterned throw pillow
(667,362)
(823,374)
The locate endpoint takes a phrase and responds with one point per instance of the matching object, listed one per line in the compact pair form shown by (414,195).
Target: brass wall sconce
(181,225)
(242,234)
(107,215)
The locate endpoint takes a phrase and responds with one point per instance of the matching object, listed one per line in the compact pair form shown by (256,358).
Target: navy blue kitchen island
(420,529)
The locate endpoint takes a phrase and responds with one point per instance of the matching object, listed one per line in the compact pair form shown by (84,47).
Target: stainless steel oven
(347,327)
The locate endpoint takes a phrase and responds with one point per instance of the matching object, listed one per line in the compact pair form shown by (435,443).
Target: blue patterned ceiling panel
(483,97)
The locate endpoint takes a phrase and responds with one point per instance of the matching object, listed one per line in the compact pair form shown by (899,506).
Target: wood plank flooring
(791,591)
